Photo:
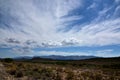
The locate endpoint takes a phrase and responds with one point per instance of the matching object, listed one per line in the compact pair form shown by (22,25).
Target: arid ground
(41,69)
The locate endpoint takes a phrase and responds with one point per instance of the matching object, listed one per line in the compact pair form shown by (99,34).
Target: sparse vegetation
(8,60)
(63,70)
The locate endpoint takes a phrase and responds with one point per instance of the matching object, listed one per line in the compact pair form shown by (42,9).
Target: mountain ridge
(57,57)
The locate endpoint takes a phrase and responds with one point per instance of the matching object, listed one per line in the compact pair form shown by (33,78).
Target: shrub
(12,72)
(36,69)
(70,76)
(19,74)
(8,60)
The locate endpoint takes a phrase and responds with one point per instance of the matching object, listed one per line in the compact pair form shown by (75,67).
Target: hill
(55,57)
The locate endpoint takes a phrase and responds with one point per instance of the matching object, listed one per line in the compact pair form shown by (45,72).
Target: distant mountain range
(57,57)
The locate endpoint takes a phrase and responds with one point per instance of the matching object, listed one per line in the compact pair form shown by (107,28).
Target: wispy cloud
(117,1)
(92,6)
(41,23)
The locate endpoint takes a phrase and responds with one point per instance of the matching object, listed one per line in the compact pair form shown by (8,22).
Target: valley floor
(57,70)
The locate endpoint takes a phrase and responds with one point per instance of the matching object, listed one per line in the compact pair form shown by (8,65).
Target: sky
(59,27)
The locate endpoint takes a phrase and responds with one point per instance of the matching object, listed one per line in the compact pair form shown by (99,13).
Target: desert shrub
(61,63)
(19,74)
(20,65)
(97,76)
(39,73)
(74,64)
(57,77)
(115,66)
(46,72)
(80,65)
(70,76)
(112,66)
(12,72)
(8,60)
(87,75)
(36,69)
(91,75)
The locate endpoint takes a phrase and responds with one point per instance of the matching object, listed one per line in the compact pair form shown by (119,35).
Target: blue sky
(59,27)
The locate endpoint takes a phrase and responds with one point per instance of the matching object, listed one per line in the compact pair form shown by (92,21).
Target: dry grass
(40,71)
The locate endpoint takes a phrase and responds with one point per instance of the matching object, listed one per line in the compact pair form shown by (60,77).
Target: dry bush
(39,71)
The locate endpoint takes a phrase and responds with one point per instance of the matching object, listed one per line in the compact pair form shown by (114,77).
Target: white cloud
(103,14)
(92,6)
(117,1)
(37,20)
(40,21)
(64,6)
(117,11)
